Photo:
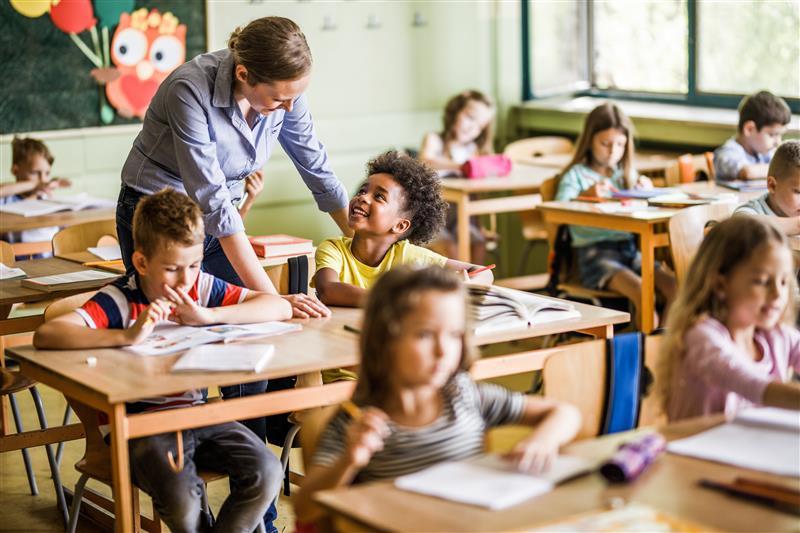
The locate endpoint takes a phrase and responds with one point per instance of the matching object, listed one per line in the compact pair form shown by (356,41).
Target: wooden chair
(687,229)
(79,237)
(96,460)
(689,168)
(576,373)
(521,152)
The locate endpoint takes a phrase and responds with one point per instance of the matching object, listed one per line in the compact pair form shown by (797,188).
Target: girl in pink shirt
(731,340)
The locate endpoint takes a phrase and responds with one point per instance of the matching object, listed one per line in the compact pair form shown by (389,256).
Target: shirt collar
(223,83)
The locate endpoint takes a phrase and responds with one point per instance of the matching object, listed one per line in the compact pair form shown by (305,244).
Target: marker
(352,409)
(477,271)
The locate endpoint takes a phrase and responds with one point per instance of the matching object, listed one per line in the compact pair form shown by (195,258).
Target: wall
(372,89)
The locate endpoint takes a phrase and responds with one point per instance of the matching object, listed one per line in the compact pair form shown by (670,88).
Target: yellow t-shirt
(335,254)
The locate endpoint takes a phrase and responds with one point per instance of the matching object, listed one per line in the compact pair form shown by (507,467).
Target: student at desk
(168,286)
(781,203)
(608,259)
(417,405)
(30,164)
(730,337)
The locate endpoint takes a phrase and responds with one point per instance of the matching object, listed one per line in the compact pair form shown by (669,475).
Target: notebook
(107,253)
(745,185)
(494,308)
(763,439)
(33,207)
(82,279)
(7,272)
(225,358)
(489,481)
(168,337)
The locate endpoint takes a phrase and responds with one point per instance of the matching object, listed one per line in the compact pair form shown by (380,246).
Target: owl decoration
(145,48)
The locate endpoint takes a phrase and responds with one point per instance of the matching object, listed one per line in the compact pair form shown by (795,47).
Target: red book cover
(280,245)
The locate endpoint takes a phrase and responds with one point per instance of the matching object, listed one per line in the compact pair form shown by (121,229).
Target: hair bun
(233,40)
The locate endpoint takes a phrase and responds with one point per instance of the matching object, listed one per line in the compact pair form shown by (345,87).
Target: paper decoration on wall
(147,45)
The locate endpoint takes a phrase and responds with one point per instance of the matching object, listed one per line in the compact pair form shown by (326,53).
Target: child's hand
(644,183)
(305,306)
(155,312)
(601,189)
(365,436)
(185,310)
(254,184)
(533,455)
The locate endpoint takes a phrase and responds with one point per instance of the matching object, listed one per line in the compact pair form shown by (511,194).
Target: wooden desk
(647,164)
(9,222)
(523,184)
(670,485)
(121,376)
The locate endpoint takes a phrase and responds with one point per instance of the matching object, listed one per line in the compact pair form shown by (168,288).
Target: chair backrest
(79,237)
(6,254)
(687,229)
(652,411)
(688,168)
(312,423)
(525,149)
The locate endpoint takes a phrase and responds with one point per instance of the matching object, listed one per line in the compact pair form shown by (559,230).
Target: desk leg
(648,303)
(462,229)
(120,469)
(600,332)
(5,310)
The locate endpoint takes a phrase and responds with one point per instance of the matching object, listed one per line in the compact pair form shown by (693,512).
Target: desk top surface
(670,485)
(522,177)
(323,343)
(9,222)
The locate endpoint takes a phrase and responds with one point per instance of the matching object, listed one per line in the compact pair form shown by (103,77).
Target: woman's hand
(534,455)
(365,436)
(147,320)
(185,310)
(254,184)
(305,306)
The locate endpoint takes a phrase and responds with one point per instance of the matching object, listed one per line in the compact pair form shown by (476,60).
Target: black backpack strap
(298,274)
(560,258)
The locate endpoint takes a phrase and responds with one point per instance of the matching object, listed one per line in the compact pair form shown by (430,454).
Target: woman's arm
(340,217)
(244,261)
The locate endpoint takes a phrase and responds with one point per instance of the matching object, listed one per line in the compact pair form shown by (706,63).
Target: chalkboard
(46,82)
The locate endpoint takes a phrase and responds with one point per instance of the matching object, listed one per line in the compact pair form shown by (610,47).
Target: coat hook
(328,23)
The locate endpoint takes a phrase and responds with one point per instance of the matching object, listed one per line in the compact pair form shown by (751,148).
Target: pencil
(352,409)
(351,329)
(481,269)
(112,262)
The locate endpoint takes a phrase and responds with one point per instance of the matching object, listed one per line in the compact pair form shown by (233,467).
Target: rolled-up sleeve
(196,154)
(300,142)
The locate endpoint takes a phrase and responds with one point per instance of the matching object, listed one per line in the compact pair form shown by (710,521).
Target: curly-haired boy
(397,208)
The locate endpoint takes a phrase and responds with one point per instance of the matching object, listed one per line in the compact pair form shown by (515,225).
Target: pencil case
(633,458)
(483,166)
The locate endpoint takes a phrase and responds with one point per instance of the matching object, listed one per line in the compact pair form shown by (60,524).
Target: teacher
(213,122)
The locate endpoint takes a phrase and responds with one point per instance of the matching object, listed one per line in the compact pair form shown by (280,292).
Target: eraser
(91,361)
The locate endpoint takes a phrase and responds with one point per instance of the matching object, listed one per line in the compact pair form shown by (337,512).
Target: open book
(169,338)
(744,185)
(7,272)
(221,358)
(81,279)
(764,439)
(33,207)
(494,308)
(490,481)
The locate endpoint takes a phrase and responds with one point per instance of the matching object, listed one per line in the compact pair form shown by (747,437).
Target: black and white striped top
(469,409)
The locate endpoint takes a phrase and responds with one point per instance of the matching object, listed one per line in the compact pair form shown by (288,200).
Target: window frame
(692,97)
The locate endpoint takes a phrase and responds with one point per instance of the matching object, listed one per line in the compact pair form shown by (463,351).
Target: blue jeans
(214,262)
(255,476)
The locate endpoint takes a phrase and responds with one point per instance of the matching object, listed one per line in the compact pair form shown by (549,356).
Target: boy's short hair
(765,109)
(164,219)
(423,194)
(23,148)
(786,161)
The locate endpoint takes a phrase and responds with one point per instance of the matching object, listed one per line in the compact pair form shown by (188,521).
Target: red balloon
(73,16)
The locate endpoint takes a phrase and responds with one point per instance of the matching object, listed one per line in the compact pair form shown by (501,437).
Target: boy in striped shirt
(169,286)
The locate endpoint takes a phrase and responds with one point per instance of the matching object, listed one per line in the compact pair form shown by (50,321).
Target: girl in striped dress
(418,405)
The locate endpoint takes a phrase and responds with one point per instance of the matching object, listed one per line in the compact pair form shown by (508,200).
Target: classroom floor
(19,511)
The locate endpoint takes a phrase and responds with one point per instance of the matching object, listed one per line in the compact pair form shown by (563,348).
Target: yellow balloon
(31,8)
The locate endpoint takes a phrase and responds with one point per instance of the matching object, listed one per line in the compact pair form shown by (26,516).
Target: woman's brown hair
(603,117)
(396,295)
(454,106)
(271,49)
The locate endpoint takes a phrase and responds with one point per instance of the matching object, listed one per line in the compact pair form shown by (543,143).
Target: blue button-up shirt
(195,140)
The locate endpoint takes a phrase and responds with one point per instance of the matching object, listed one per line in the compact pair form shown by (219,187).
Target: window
(645,49)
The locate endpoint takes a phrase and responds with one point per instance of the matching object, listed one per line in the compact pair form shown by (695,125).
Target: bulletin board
(84,63)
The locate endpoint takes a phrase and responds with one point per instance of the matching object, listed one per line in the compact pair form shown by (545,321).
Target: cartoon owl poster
(124,48)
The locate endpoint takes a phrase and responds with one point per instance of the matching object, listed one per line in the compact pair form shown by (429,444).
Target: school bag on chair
(628,380)
(281,429)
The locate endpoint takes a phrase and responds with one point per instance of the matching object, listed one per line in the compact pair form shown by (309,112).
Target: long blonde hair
(397,294)
(454,106)
(604,117)
(729,244)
